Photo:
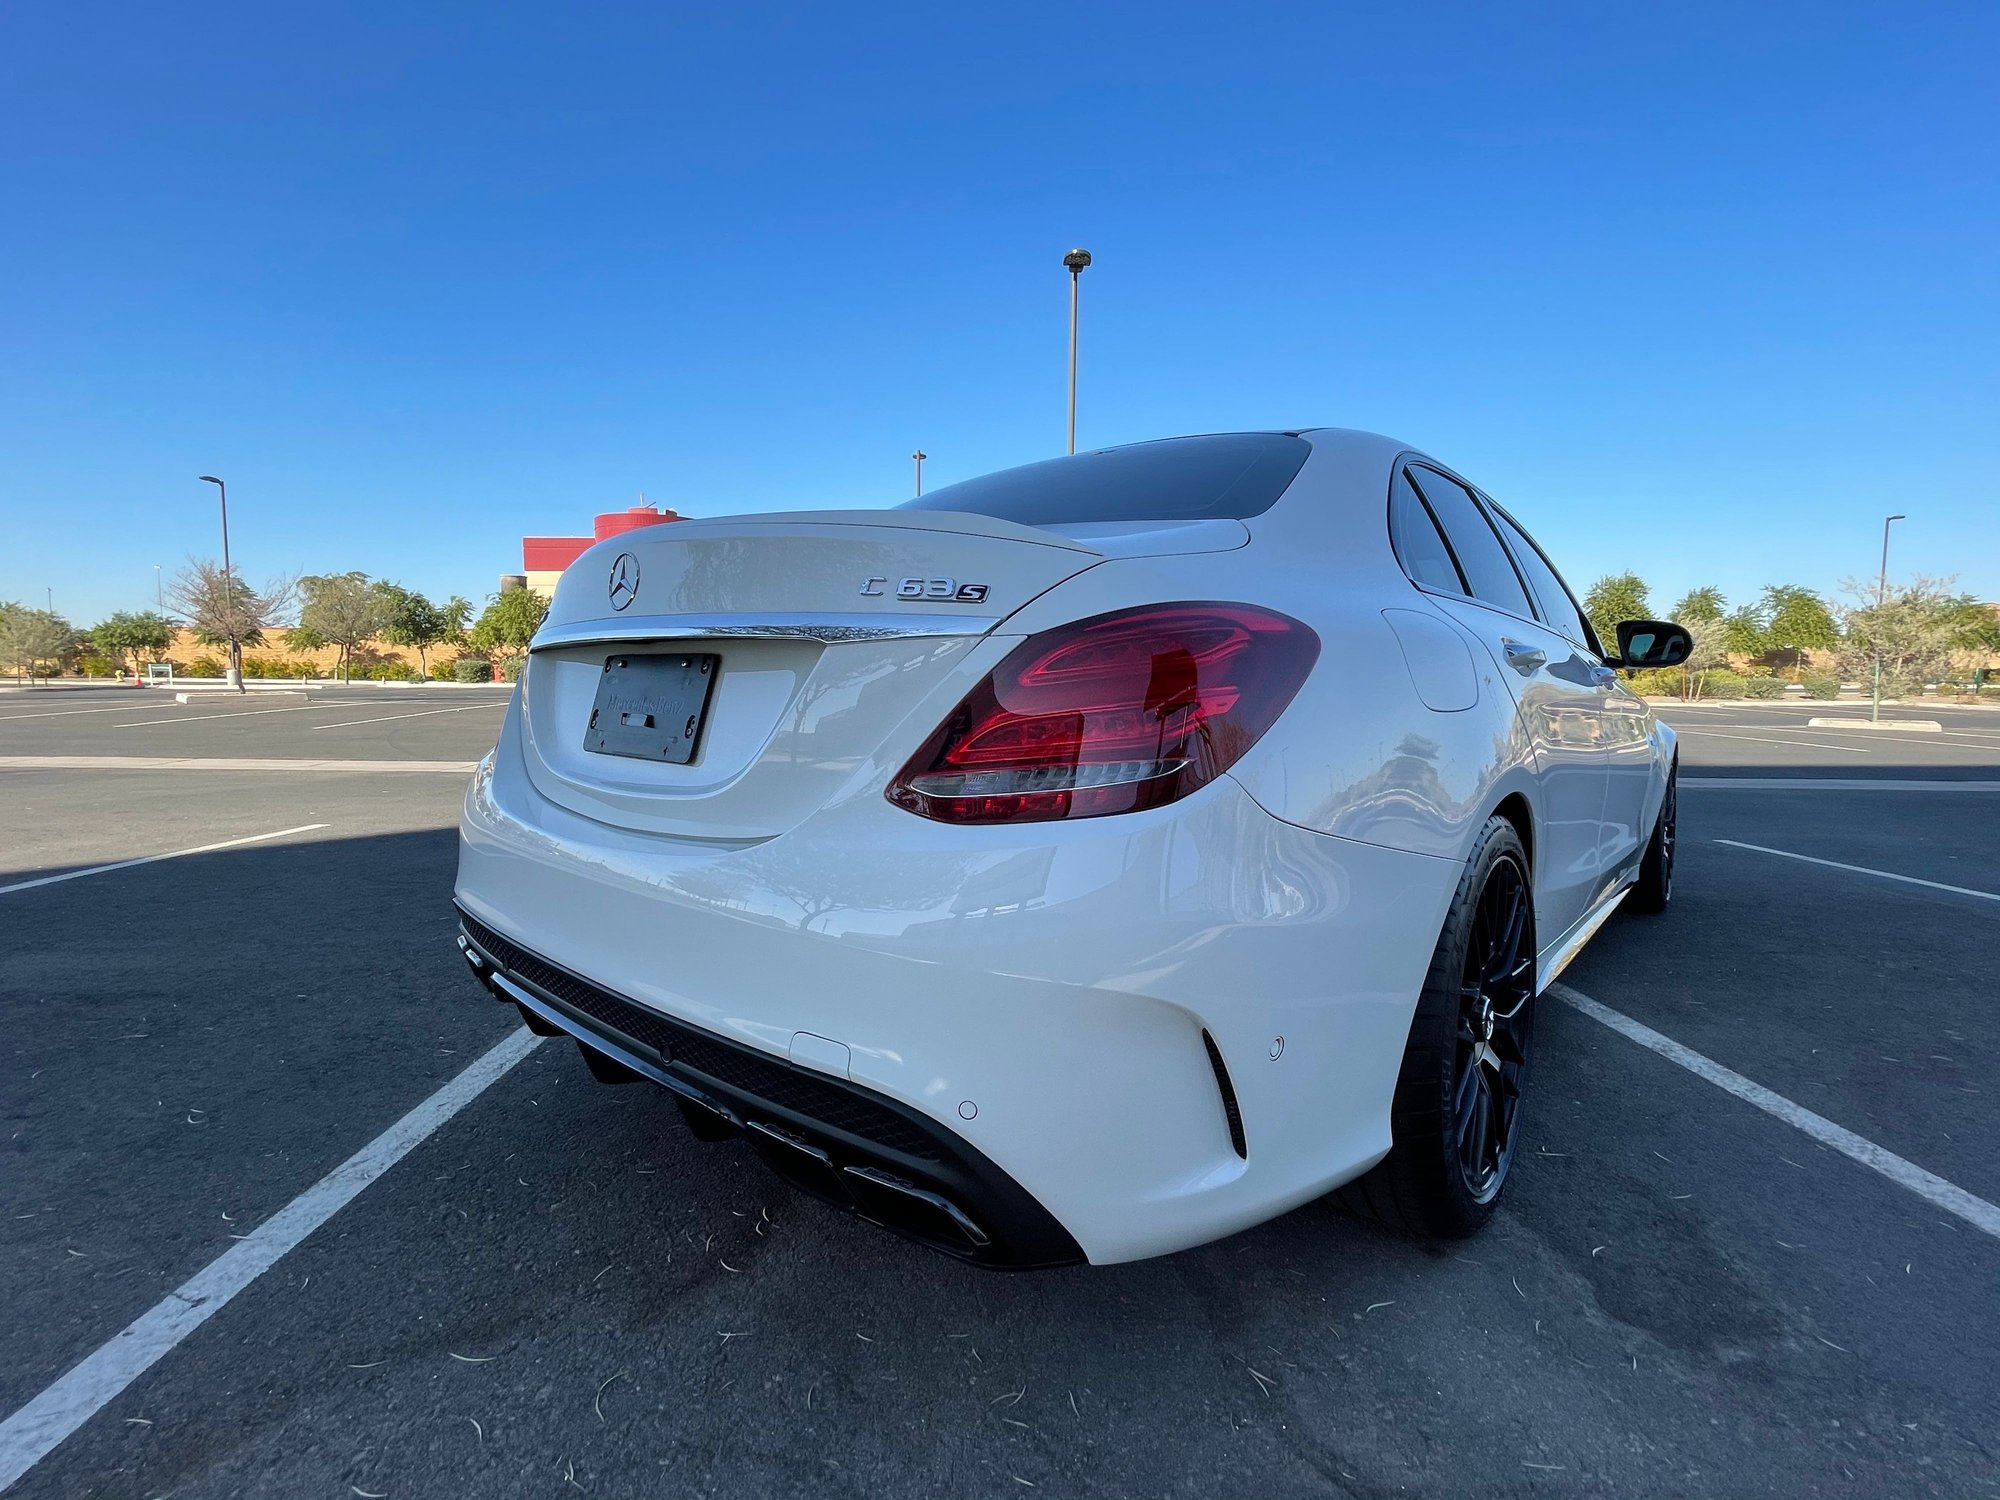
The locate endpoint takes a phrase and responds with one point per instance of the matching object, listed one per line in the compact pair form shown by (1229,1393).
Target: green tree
(338,609)
(1620,596)
(1913,631)
(144,636)
(1743,632)
(409,619)
(31,638)
(1704,603)
(1797,620)
(509,622)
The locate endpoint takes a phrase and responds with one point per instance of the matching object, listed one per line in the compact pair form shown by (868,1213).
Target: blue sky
(1704,291)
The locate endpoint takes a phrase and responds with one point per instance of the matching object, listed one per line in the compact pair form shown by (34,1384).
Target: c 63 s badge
(948,590)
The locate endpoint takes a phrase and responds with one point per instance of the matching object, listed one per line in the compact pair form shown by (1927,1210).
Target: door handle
(1523,658)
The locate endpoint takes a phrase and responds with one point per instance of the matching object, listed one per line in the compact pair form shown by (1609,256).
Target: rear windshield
(1229,476)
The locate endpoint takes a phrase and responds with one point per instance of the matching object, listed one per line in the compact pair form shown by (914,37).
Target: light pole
(1881,598)
(159,591)
(1076,260)
(920,456)
(235,677)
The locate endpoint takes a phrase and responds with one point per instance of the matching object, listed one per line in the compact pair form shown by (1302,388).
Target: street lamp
(1881,598)
(235,678)
(159,591)
(1076,260)
(920,456)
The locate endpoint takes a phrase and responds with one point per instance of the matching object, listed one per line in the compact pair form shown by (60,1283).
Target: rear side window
(1480,556)
(1558,605)
(1419,544)
(1228,476)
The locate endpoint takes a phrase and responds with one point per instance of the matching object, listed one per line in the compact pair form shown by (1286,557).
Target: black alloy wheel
(1494,1017)
(1655,886)
(1456,1118)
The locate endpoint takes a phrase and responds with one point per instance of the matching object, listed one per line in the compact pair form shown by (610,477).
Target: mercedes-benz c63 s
(1087,860)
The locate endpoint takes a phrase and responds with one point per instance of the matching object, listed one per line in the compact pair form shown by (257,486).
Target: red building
(543,558)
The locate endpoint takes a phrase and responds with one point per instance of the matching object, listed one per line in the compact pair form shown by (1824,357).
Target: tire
(1466,1058)
(1655,886)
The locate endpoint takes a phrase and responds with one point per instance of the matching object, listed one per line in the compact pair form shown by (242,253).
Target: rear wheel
(1655,886)
(1456,1117)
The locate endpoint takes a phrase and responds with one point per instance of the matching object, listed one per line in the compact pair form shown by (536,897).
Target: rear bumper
(1064,1011)
(857,1150)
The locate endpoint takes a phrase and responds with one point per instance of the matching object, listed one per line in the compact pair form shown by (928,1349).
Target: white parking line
(301,708)
(1834,864)
(1829,784)
(153,859)
(243,714)
(244,763)
(63,713)
(31,1433)
(421,714)
(1764,740)
(1907,1174)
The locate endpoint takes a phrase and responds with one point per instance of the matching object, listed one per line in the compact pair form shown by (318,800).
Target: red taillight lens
(1109,715)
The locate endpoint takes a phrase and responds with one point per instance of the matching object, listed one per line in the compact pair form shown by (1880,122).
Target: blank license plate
(651,707)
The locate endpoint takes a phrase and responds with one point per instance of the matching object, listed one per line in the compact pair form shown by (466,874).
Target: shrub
(1721,683)
(1763,687)
(1657,682)
(277,666)
(204,666)
(1821,685)
(510,669)
(472,669)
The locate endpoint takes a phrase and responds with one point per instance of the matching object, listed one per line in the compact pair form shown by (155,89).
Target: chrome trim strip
(812,627)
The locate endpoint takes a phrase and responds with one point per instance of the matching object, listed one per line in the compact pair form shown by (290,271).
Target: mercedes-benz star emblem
(624,580)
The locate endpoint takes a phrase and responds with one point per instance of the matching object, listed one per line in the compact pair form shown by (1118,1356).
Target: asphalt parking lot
(556,1290)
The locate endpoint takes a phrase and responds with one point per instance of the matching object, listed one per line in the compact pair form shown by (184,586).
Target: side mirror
(1652,643)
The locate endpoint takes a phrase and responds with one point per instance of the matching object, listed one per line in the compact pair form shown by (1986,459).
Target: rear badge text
(926,588)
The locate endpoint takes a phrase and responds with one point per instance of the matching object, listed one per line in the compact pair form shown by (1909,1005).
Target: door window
(1419,544)
(1558,604)
(1481,559)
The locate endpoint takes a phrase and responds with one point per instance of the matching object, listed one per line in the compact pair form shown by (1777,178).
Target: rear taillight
(1109,715)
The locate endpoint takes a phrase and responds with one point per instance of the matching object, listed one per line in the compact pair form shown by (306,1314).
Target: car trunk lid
(826,629)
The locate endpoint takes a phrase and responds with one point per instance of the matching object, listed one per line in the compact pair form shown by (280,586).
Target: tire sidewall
(1498,843)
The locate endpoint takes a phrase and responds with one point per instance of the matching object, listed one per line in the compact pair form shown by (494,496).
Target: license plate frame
(652,705)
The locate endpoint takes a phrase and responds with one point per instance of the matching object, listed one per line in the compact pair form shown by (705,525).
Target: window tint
(1480,556)
(1232,475)
(1418,543)
(1558,608)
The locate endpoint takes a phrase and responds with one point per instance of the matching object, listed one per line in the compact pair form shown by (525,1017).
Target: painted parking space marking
(153,859)
(251,713)
(31,1433)
(1834,784)
(212,763)
(1766,740)
(1932,1188)
(63,713)
(1834,864)
(463,708)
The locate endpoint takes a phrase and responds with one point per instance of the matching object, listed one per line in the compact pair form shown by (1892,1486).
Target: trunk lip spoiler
(827,627)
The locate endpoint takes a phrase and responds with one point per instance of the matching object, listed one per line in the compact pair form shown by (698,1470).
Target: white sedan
(1084,861)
